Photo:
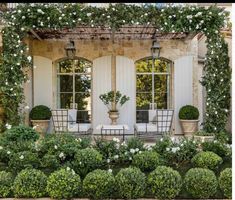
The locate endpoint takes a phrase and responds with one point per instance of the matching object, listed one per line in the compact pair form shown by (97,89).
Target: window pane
(143,100)
(66,99)
(82,66)
(142,116)
(65,83)
(160,94)
(143,83)
(82,83)
(144,66)
(84,116)
(65,66)
(160,66)
(83,101)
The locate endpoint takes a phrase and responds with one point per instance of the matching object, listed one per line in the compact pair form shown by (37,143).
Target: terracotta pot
(189,127)
(204,138)
(41,126)
(113,115)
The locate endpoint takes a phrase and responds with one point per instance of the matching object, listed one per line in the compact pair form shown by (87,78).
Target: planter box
(204,138)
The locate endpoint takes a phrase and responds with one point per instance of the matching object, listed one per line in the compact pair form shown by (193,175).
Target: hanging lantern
(70,49)
(155,49)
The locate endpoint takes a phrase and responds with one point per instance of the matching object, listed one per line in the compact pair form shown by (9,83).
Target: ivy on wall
(217,78)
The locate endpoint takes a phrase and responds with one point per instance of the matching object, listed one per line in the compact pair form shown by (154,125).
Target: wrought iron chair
(64,120)
(159,124)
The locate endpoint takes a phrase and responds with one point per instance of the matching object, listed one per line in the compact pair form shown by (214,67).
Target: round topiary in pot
(207,159)
(164,182)
(146,160)
(30,183)
(86,160)
(40,117)
(200,183)
(63,184)
(6,181)
(225,182)
(130,183)
(188,116)
(99,184)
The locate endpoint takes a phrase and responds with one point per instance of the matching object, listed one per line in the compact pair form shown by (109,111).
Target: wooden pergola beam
(35,34)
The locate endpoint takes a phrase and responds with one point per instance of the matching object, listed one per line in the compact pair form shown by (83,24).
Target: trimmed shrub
(200,183)
(30,183)
(50,162)
(6,181)
(146,160)
(164,182)
(87,160)
(63,184)
(207,159)
(131,183)
(22,160)
(40,112)
(188,112)
(21,133)
(135,143)
(99,184)
(225,182)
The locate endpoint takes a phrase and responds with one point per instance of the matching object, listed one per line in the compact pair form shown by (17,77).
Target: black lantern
(155,49)
(70,49)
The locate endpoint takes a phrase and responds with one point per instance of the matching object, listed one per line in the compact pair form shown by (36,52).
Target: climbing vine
(15,57)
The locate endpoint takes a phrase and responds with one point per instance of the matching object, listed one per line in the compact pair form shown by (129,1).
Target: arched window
(74,87)
(152,86)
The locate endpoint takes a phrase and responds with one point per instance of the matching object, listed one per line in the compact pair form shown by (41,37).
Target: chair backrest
(60,120)
(164,118)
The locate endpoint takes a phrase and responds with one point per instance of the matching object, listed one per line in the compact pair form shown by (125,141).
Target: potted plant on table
(204,136)
(40,117)
(112,99)
(188,116)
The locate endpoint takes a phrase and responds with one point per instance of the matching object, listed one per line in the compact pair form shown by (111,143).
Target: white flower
(137,149)
(210,13)
(123,143)
(22,29)
(110,170)
(29,58)
(8,152)
(19,11)
(55,147)
(21,157)
(174,149)
(172,139)
(167,149)
(8,126)
(80,163)
(60,18)
(23,17)
(61,155)
(26,107)
(108,160)
(130,158)
(88,14)
(67,168)
(108,16)
(73,172)
(117,146)
(126,153)
(161,139)
(1,147)
(132,150)
(116,139)
(140,152)
(189,16)
(116,157)
(165,23)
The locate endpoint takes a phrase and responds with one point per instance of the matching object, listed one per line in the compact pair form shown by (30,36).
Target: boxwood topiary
(6,181)
(99,184)
(146,161)
(188,112)
(50,162)
(225,182)
(86,160)
(200,183)
(30,183)
(164,182)
(207,159)
(40,112)
(130,183)
(63,184)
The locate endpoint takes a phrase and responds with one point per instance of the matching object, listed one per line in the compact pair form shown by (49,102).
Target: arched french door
(74,78)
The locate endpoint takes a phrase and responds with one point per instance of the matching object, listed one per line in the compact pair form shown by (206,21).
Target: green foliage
(21,133)
(203,133)
(135,143)
(99,184)
(221,149)
(225,182)
(224,137)
(188,112)
(113,97)
(50,162)
(22,160)
(40,112)
(6,181)
(207,159)
(146,160)
(30,183)
(130,183)
(86,160)
(63,184)
(200,183)
(164,182)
